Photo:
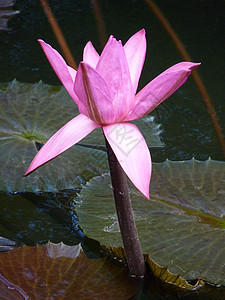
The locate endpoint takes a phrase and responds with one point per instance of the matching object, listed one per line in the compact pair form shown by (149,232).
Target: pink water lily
(104,88)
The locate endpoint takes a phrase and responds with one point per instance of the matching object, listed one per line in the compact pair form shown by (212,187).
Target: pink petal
(135,50)
(160,88)
(65,73)
(63,139)
(73,73)
(91,88)
(90,55)
(132,152)
(113,68)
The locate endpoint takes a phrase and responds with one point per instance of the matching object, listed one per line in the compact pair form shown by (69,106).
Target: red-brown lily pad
(64,272)
(58,271)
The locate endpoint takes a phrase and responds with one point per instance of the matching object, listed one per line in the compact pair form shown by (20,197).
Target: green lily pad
(182,226)
(32,113)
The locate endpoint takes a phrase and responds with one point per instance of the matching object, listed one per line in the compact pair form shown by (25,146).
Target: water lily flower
(104,88)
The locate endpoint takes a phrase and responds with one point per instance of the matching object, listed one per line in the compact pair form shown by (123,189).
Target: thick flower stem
(134,255)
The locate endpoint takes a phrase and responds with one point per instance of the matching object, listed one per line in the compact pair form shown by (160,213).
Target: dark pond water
(187,128)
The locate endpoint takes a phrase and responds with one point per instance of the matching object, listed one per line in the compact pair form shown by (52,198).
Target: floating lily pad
(58,271)
(159,272)
(32,113)
(182,226)
(65,272)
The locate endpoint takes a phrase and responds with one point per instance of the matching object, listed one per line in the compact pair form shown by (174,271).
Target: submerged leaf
(33,219)
(183,224)
(30,114)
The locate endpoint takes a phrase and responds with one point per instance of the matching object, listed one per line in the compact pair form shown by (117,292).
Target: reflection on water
(37,218)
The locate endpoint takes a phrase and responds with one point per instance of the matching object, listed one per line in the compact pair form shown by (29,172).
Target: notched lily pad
(159,272)
(32,113)
(65,272)
(182,226)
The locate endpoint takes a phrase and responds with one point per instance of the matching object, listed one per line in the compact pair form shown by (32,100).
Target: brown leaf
(74,277)
(10,291)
